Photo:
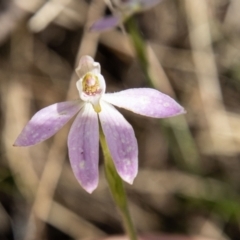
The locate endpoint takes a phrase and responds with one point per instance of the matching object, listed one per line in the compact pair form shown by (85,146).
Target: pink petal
(83,147)
(46,122)
(145,101)
(121,142)
(105,24)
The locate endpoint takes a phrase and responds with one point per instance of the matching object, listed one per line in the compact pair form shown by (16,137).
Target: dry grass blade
(71,224)
(15,97)
(53,9)
(209,87)
(9,20)
(29,5)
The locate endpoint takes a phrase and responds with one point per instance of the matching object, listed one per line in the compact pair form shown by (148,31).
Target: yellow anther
(90,84)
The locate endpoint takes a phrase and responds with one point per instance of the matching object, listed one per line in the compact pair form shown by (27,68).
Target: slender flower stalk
(117,189)
(174,130)
(122,10)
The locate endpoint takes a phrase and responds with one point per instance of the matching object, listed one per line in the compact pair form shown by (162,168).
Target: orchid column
(98,118)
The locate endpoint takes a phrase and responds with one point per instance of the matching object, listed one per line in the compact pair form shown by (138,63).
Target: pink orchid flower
(122,10)
(96,106)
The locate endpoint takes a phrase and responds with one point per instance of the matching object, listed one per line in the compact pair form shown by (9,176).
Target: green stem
(139,45)
(117,189)
(179,135)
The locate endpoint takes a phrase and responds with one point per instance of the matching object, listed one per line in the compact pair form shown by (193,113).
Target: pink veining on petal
(83,147)
(105,23)
(46,122)
(121,142)
(145,101)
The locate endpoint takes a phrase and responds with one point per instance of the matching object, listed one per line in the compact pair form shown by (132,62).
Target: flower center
(90,84)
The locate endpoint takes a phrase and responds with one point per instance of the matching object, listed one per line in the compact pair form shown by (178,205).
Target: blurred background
(189,177)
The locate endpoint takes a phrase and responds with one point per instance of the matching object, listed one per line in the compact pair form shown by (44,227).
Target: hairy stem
(117,189)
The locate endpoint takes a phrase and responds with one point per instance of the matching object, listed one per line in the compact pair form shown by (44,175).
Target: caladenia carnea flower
(122,10)
(94,107)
